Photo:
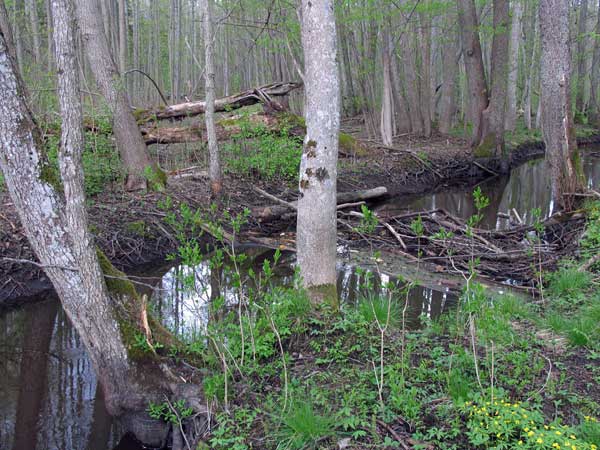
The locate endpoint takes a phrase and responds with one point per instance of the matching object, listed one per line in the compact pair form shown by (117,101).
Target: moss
(49,174)
(229,122)
(156,177)
(486,148)
(116,281)
(129,309)
(350,144)
(324,293)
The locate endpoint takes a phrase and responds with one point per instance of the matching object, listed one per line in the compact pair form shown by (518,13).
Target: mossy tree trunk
(56,225)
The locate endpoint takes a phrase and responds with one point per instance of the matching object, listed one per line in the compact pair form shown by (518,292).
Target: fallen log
(262,94)
(270,213)
(232,126)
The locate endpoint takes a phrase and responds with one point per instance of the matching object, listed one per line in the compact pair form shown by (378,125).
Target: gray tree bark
(449,74)
(493,117)
(581,57)
(476,84)
(214,169)
(513,71)
(130,144)
(123,31)
(595,90)
(557,116)
(316,227)
(34,21)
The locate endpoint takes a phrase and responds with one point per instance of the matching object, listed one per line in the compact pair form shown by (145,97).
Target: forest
(299,224)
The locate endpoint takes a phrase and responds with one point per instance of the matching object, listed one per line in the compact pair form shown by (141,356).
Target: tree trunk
(493,117)
(476,84)
(387,101)
(425,72)
(581,57)
(132,149)
(513,70)
(557,117)
(6,30)
(449,73)
(123,31)
(214,169)
(34,20)
(317,226)
(239,100)
(595,91)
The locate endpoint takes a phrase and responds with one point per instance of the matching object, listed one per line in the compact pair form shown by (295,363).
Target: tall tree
(513,65)
(449,75)
(316,228)
(34,22)
(493,117)
(52,212)
(581,57)
(130,144)
(476,84)
(214,169)
(595,90)
(557,116)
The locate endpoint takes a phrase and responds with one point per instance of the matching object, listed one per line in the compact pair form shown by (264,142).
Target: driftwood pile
(516,255)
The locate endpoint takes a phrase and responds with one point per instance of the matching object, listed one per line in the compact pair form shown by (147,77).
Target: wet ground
(50,398)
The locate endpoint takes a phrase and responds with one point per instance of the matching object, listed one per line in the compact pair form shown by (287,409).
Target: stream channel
(50,398)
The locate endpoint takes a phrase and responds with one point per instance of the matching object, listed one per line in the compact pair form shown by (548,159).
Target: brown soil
(130,229)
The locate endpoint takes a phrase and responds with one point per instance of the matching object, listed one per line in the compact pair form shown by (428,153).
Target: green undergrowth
(263,153)
(499,371)
(101,163)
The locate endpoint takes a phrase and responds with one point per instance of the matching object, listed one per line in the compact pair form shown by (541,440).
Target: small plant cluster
(505,425)
(266,154)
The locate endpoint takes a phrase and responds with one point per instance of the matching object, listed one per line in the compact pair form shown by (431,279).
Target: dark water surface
(527,187)
(49,398)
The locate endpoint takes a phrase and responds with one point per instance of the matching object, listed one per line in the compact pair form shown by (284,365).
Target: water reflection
(50,398)
(527,188)
(187,311)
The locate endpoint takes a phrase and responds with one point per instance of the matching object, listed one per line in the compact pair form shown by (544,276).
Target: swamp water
(50,398)
(526,188)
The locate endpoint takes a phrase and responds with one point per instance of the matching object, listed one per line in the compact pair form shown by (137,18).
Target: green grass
(303,428)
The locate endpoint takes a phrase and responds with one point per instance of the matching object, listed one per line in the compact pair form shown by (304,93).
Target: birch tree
(316,227)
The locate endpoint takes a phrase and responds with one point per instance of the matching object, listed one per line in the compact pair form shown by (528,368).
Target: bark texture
(132,149)
(214,165)
(513,68)
(316,228)
(56,225)
(476,84)
(595,90)
(493,117)
(557,116)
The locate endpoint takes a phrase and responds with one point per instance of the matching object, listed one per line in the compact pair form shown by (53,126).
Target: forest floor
(130,227)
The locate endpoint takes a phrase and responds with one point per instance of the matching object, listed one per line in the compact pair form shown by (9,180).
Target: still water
(50,398)
(527,188)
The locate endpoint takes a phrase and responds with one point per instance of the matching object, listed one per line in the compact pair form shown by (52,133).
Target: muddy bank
(131,230)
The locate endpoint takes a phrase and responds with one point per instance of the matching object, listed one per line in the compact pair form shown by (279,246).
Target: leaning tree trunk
(52,212)
(492,138)
(214,166)
(557,116)
(316,228)
(132,149)
(476,85)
